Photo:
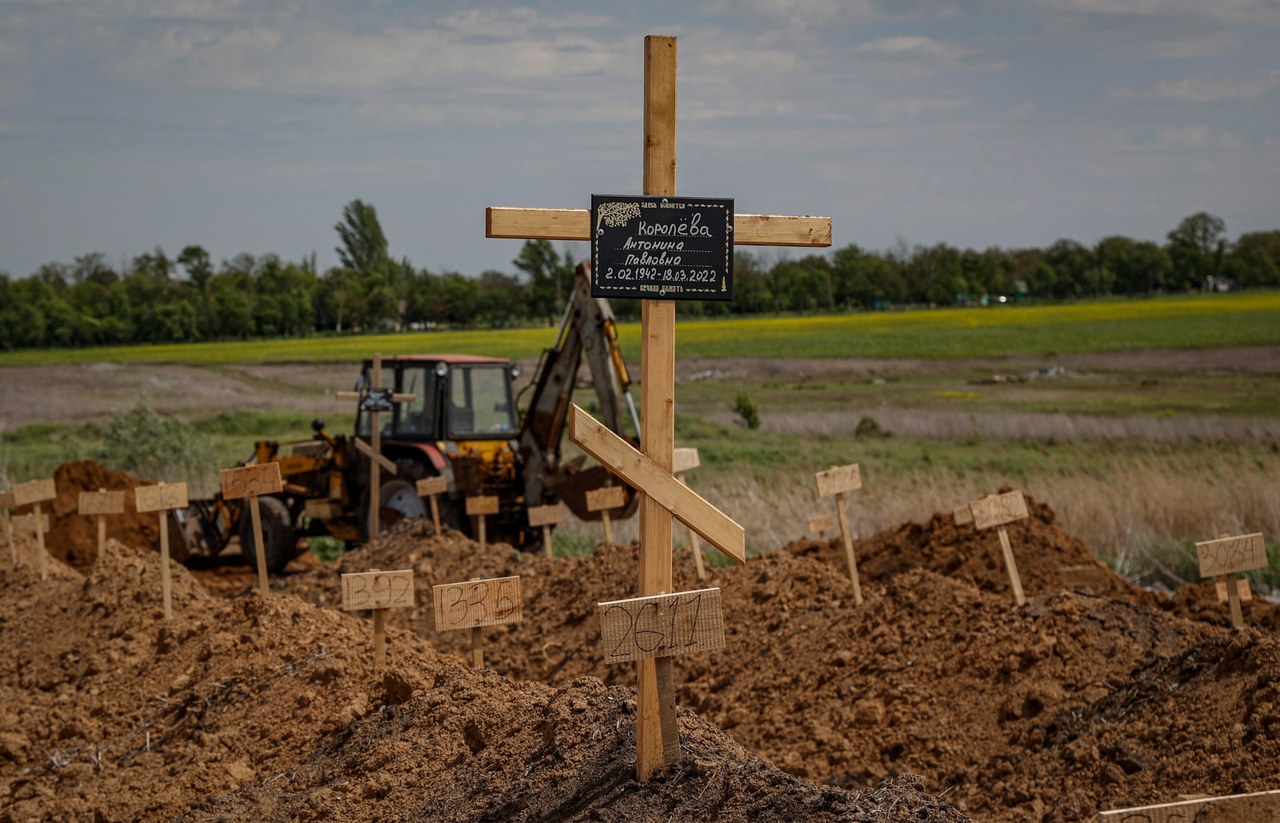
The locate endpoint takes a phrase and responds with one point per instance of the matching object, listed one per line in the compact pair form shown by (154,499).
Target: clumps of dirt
(1048,558)
(73,537)
(272,709)
(938,674)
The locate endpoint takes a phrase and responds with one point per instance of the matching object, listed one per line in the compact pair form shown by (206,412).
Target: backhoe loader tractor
(460,422)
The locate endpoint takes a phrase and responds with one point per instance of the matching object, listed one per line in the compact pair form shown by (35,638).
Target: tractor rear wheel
(279,541)
(397,500)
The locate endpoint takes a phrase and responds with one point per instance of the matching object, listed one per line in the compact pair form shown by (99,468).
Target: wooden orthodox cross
(657,366)
(375,400)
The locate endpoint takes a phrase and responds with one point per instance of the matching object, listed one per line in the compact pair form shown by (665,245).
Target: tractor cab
(456,398)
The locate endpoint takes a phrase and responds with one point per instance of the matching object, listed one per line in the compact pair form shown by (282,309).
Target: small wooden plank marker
(480,507)
(998,510)
(6,503)
(378,591)
(33,493)
(253,482)
(476,604)
(602,500)
(835,481)
(1224,557)
(431,488)
(963,516)
(1237,808)
(546,517)
(100,504)
(374,400)
(162,498)
(684,460)
(821,524)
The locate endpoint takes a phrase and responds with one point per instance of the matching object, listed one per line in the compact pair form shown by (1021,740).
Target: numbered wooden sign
(821,523)
(476,603)
(551,515)
(251,481)
(101,503)
(482,505)
(546,517)
(377,590)
(663,625)
(1228,555)
(432,485)
(34,491)
(429,487)
(963,516)
(998,509)
(161,497)
(25,524)
(608,497)
(839,479)
(1242,590)
(684,460)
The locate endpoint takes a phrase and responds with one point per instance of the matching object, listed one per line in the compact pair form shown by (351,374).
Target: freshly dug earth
(1094,695)
(253,709)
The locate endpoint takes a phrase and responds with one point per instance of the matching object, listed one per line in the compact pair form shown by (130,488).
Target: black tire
(280,542)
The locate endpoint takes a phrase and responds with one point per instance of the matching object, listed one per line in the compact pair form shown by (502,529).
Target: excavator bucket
(572,487)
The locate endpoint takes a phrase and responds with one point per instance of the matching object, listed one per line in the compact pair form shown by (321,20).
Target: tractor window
(480,402)
(416,418)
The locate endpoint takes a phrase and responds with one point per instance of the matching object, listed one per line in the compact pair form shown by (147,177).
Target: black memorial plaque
(376,400)
(662,248)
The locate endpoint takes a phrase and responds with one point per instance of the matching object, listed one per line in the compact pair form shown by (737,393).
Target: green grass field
(1182,321)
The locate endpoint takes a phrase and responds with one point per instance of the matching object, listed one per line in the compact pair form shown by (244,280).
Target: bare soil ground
(1094,695)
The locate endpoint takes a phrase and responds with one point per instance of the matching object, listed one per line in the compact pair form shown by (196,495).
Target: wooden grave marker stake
(1258,807)
(821,523)
(657,358)
(100,504)
(24,526)
(480,507)
(375,400)
(546,517)
(1224,557)
(6,503)
(998,510)
(431,488)
(835,481)
(602,500)
(378,591)
(475,604)
(684,460)
(161,498)
(253,482)
(33,493)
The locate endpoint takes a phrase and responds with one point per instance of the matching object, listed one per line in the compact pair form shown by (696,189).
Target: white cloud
(1265,12)
(1197,136)
(1218,89)
(915,46)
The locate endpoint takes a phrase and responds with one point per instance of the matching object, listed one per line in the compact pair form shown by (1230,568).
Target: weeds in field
(144,443)
(746,410)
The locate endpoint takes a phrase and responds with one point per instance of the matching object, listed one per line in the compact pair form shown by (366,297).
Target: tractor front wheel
(397,500)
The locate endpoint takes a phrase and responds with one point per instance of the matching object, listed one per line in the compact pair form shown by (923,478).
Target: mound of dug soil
(252,709)
(1089,698)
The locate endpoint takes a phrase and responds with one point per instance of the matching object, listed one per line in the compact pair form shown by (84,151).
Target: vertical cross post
(376,461)
(655,692)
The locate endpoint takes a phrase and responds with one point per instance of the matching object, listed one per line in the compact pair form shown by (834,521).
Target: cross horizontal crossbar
(575,224)
(685,505)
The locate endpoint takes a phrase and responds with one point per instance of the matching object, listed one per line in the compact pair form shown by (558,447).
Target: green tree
(548,276)
(364,246)
(1196,248)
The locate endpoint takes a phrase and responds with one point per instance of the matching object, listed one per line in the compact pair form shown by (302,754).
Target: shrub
(746,409)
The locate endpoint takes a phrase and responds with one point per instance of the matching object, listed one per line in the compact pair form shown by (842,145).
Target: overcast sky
(247,126)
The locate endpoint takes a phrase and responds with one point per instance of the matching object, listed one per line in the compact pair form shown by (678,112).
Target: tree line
(156,298)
